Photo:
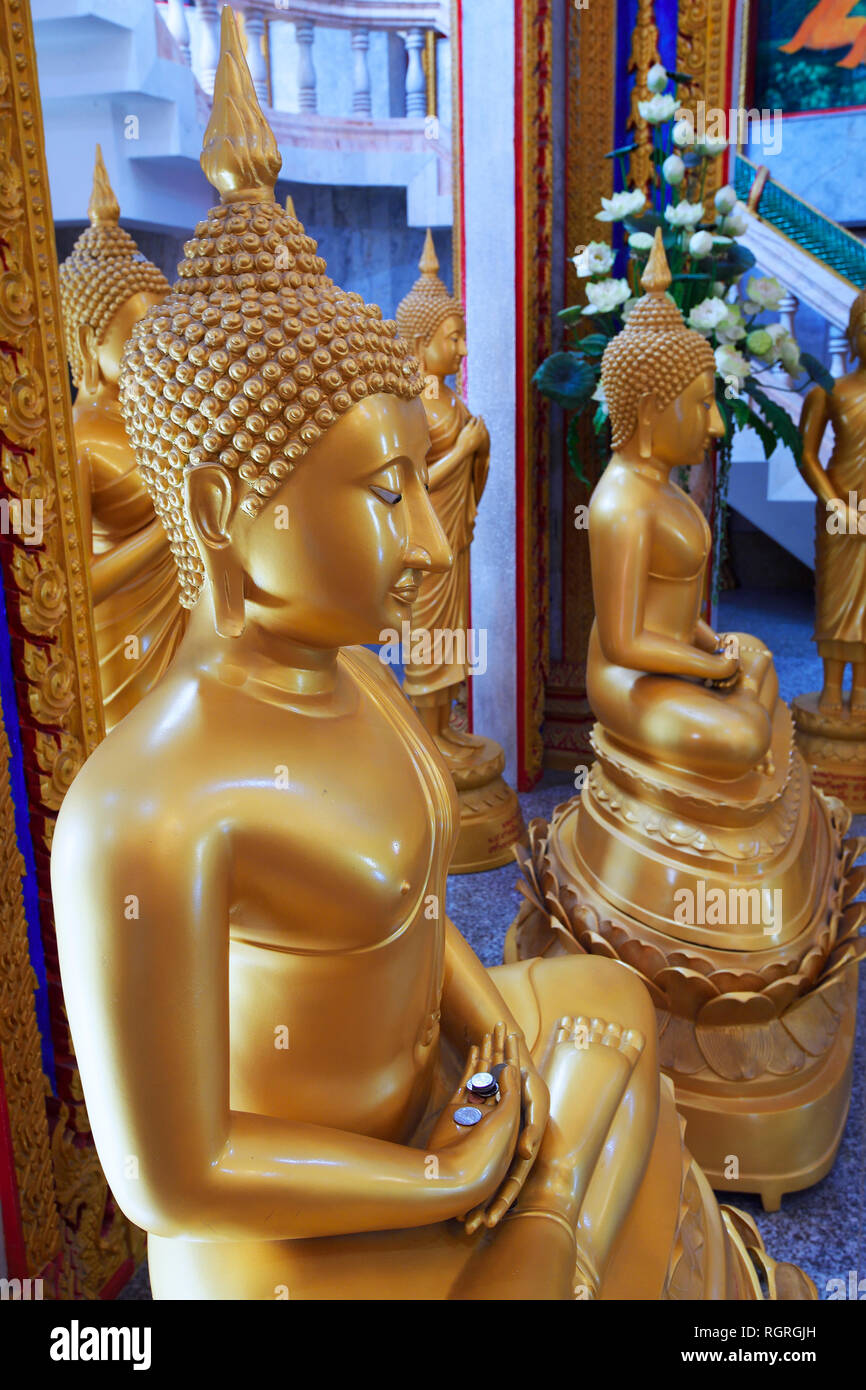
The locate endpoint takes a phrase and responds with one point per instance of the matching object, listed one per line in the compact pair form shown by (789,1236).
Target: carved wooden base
(739,916)
(834,746)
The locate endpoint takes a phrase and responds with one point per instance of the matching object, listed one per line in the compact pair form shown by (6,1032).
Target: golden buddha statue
(279,1032)
(831,731)
(106,286)
(440,653)
(698,853)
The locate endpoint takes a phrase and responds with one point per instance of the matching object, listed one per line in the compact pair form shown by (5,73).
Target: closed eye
(385,495)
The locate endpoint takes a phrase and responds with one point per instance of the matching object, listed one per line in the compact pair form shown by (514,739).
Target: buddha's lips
(406,593)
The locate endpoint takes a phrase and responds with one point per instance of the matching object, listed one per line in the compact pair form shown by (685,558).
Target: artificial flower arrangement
(707,265)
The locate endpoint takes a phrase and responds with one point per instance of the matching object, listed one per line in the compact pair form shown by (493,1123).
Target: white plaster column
(209,43)
(254,24)
(837,343)
(362,103)
(489,231)
(304,35)
(416,82)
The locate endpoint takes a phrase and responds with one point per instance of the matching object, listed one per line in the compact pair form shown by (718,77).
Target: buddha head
(431,320)
(106,286)
(857,327)
(658,377)
(275,417)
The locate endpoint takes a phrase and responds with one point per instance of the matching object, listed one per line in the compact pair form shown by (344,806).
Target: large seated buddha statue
(106,286)
(698,852)
(300,1079)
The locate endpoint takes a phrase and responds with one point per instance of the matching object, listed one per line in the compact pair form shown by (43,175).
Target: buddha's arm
(471,1003)
(125,560)
(620,552)
(705,638)
(813,423)
(441,470)
(143,918)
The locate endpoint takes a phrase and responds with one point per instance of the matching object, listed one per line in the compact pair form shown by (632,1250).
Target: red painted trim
(730,81)
(523,777)
(460,290)
(13,1235)
(119,1279)
(822,111)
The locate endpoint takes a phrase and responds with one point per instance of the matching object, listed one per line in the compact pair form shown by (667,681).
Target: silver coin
(467,1115)
(483,1083)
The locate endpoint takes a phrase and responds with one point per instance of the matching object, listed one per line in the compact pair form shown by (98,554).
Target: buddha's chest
(336,837)
(681,539)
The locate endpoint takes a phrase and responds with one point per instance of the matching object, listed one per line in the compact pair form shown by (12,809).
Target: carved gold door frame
(59,1220)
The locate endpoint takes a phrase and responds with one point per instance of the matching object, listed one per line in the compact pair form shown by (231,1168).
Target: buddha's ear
(646,413)
(419,348)
(89,349)
(209,499)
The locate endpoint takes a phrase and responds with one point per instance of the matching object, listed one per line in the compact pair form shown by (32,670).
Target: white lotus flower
(657,78)
(684,133)
(673,170)
(713,145)
(707,315)
(606,295)
(594,259)
(731,329)
(640,241)
(657,109)
(726,199)
(700,245)
(729,363)
(736,223)
(621,205)
(764,292)
(786,345)
(684,214)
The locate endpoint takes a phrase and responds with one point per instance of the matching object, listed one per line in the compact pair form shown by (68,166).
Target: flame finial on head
(239,156)
(656,278)
(103,206)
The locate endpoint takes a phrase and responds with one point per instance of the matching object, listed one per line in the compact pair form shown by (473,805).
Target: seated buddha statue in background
(698,852)
(106,286)
(440,653)
(270,1009)
(831,729)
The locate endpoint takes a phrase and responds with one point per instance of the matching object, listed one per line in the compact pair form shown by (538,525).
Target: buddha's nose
(716,426)
(427,547)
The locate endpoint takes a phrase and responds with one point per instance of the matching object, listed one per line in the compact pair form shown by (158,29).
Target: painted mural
(810,55)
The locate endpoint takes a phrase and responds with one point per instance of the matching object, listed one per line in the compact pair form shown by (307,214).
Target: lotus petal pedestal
(834,746)
(737,912)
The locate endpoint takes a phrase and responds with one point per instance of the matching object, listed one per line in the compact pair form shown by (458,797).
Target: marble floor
(821,1229)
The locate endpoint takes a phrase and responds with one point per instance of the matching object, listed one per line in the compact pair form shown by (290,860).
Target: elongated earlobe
(644,427)
(209,503)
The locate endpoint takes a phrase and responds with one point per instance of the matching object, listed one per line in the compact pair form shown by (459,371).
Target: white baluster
(177,26)
(254,23)
(304,32)
(209,43)
(361,100)
(416,83)
(837,342)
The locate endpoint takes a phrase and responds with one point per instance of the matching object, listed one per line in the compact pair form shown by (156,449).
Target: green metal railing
(808,228)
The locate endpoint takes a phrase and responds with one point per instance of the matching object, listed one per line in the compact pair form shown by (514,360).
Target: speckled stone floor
(821,1229)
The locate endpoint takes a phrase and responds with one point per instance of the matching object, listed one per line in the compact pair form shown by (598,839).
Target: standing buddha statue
(698,851)
(106,286)
(831,730)
(437,657)
(326,1094)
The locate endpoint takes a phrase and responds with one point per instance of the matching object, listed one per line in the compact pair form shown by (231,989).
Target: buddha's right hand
(477,1157)
(473,436)
(726,670)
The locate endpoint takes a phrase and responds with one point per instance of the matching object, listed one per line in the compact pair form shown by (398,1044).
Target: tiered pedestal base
(834,746)
(736,909)
(491,822)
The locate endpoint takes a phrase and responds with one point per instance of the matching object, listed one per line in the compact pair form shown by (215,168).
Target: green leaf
(573,314)
(724,408)
(623,149)
(566,378)
(817,371)
(681,76)
(594,344)
(777,418)
(734,259)
(747,419)
(647,222)
(572,442)
(600,417)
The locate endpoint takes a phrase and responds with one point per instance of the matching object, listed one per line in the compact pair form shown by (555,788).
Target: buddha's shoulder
(621,492)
